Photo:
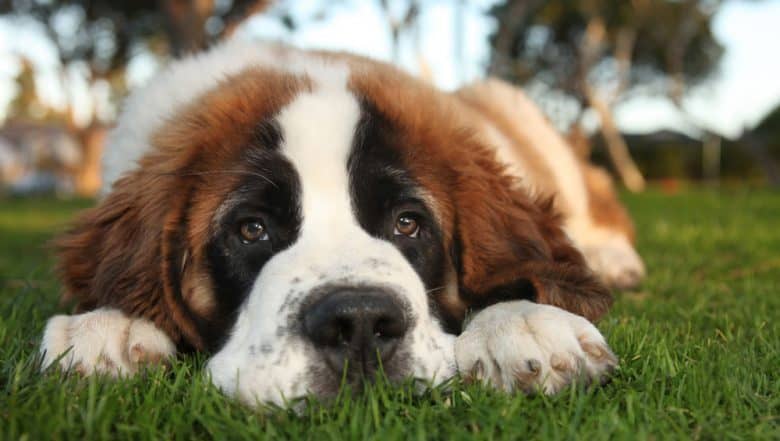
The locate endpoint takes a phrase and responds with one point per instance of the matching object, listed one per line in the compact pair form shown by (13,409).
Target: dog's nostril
(389,327)
(356,325)
(344,330)
(334,332)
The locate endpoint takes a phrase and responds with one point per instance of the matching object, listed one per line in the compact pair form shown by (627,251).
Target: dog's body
(545,164)
(294,210)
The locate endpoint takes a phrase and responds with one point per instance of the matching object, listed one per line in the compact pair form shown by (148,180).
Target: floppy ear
(127,253)
(511,246)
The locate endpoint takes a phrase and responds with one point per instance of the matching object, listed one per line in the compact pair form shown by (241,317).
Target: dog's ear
(510,245)
(128,253)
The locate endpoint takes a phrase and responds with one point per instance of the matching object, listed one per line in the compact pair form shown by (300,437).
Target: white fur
(103,341)
(332,248)
(526,346)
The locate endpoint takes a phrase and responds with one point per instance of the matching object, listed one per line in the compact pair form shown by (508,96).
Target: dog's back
(545,163)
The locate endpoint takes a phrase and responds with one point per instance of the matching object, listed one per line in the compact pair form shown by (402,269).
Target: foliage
(103,32)
(578,55)
(103,35)
(547,42)
(26,104)
(697,347)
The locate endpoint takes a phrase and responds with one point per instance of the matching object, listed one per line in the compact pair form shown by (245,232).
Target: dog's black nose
(356,327)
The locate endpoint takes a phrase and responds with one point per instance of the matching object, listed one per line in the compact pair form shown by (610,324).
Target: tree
(101,34)
(399,22)
(26,104)
(598,52)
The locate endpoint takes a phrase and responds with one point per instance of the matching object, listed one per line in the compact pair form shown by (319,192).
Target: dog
(308,218)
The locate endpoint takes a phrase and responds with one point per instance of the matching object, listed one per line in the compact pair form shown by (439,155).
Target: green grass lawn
(699,348)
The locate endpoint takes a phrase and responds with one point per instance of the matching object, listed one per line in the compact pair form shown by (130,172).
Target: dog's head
(312,217)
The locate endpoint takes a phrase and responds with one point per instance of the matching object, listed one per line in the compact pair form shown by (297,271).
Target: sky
(746,86)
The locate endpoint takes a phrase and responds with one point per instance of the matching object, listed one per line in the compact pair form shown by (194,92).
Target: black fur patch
(269,192)
(382,189)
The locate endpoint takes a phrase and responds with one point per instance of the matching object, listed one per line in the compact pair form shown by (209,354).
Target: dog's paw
(524,346)
(103,341)
(616,263)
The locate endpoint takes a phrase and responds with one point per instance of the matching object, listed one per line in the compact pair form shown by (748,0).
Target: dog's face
(317,225)
(330,246)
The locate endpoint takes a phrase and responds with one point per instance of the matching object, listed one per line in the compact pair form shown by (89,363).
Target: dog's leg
(103,341)
(521,345)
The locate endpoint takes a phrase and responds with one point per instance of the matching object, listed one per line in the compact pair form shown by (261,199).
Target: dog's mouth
(345,317)
(357,334)
(346,337)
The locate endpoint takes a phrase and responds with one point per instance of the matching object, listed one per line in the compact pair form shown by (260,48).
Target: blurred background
(664,92)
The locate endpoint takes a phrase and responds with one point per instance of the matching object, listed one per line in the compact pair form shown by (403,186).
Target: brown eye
(252,231)
(406,225)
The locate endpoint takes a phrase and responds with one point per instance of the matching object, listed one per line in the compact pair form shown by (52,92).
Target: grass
(699,348)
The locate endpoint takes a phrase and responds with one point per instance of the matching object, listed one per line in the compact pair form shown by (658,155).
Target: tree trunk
(710,158)
(241,12)
(617,150)
(508,23)
(616,144)
(186,24)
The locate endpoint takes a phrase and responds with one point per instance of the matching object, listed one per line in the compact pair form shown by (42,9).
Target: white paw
(103,341)
(616,263)
(525,346)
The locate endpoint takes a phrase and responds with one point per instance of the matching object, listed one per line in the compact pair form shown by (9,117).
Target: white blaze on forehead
(318,129)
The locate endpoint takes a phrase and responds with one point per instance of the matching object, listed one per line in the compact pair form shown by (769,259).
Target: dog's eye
(252,231)
(406,225)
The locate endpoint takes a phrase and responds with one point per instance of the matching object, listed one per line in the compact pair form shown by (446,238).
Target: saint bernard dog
(313,218)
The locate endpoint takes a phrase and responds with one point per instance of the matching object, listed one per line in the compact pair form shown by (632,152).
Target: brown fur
(503,235)
(603,202)
(481,110)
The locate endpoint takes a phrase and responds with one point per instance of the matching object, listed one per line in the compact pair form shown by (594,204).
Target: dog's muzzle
(357,329)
